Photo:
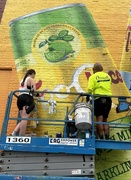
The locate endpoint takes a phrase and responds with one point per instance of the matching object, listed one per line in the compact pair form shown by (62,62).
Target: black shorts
(24,100)
(102,106)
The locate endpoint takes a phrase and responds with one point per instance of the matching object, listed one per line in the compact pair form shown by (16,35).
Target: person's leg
(26,111)
(106,129)
(23,102)
(105,116)
(98,112)
(30,105)
(17,128)
(100,128)
(20,102)
(23,123)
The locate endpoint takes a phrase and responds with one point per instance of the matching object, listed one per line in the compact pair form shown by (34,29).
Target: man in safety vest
(100,86)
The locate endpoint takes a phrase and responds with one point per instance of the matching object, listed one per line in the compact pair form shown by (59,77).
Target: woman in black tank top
(25,101)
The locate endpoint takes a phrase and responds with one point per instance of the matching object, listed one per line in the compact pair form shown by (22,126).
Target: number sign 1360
(18,139)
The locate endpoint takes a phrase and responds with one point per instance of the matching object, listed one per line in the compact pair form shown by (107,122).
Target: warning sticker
(63,141)
(76,171)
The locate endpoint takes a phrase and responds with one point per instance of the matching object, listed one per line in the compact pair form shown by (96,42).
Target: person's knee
(23,122)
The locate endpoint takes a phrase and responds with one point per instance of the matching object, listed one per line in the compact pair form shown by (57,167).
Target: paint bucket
(83,116)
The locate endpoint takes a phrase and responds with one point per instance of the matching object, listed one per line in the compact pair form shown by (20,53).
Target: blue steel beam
(48,145)
(22,177)
(112,144)
(61,145)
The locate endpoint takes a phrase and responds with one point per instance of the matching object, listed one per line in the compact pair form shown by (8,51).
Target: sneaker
(12,135)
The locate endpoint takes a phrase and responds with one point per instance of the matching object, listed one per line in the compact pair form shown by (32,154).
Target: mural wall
(62,40)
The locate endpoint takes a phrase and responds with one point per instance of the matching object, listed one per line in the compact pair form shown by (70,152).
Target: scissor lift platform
(60,145)
(64,158)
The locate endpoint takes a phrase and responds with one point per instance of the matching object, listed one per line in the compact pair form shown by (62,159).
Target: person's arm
(38,85)
(32,84)
(42,93)
(90,88)
(91,85)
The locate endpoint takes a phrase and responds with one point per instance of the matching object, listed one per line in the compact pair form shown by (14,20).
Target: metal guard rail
(42,144)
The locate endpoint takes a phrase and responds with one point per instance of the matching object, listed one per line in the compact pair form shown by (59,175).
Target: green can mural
(62,36)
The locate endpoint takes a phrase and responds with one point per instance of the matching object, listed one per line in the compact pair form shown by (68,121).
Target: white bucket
(83,116)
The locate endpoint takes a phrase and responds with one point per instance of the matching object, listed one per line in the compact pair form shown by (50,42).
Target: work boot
(107,136)
(101,137)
